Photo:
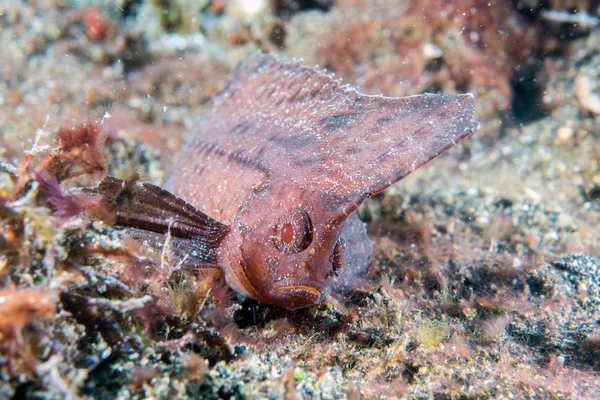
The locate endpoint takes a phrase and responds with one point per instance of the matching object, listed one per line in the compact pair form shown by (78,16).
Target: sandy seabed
(485,280)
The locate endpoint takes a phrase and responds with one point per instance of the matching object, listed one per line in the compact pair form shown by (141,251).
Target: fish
(267,186)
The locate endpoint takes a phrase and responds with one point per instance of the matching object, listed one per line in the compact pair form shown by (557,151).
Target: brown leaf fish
(278,167)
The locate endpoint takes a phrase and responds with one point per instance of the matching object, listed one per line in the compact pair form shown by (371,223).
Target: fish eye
(337,257)
(293,231)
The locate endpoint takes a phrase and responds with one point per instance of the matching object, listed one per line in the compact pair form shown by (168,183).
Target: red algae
(18,307)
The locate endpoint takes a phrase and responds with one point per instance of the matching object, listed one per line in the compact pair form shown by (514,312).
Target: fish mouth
(298,293)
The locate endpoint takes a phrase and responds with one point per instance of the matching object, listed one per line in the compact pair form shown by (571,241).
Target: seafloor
(485,281)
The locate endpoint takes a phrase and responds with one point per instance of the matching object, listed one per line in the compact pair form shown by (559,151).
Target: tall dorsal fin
(302,126)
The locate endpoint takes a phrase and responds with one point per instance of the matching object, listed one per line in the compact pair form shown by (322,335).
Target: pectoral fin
(150,213)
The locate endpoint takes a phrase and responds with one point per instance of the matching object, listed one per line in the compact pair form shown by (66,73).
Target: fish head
(282,250)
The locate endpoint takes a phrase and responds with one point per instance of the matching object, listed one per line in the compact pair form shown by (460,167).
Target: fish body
(267,186)
(285,155)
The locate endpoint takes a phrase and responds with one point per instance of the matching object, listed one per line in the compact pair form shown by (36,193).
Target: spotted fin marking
(302,126)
